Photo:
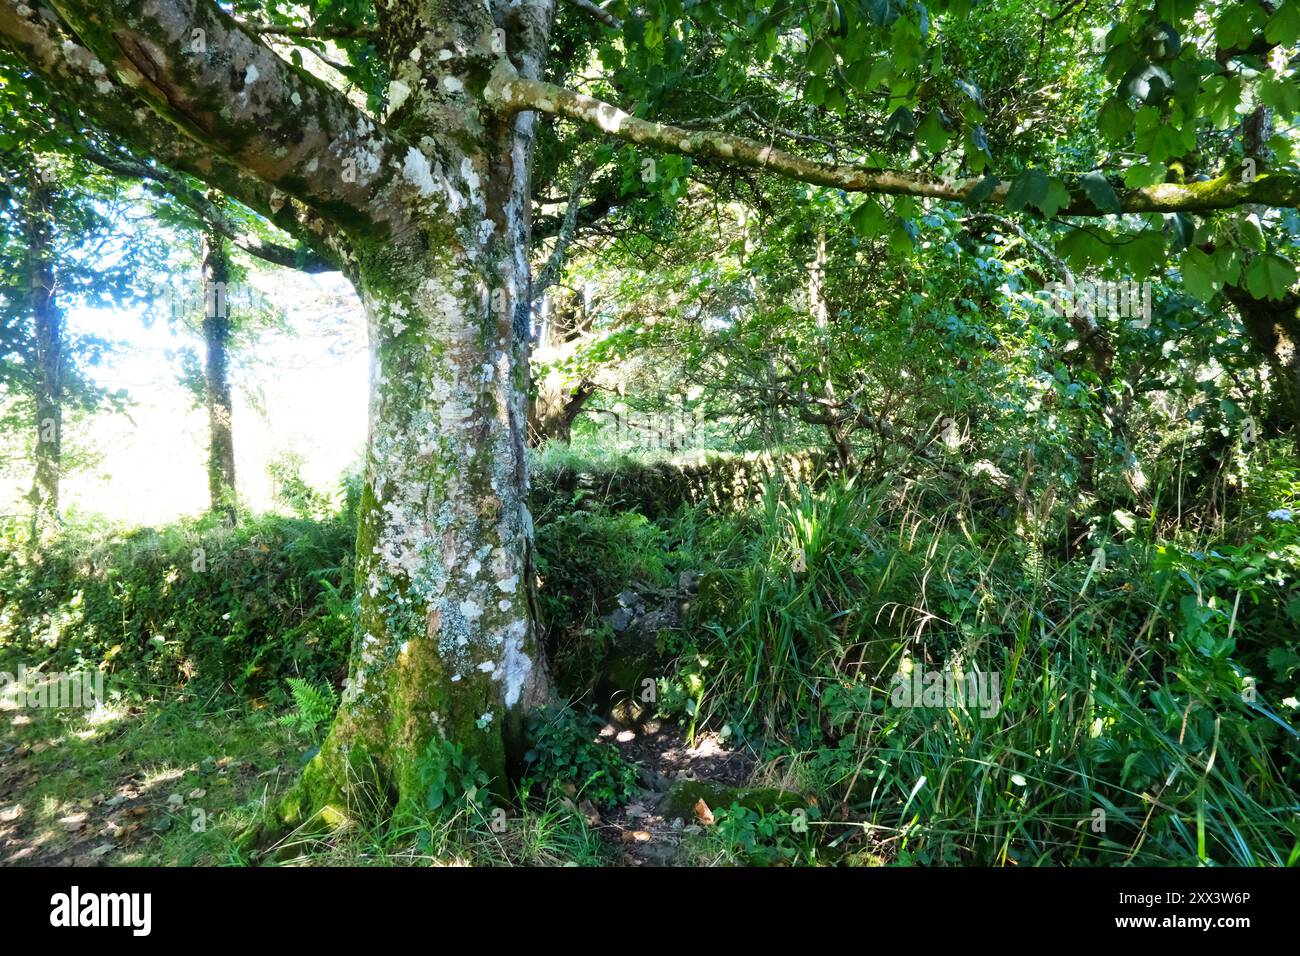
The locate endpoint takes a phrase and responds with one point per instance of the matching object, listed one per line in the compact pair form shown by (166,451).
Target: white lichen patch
(397,94)
(509,585)
(417,172)
(516,666)
(453,84)
(250,75)
(470,611)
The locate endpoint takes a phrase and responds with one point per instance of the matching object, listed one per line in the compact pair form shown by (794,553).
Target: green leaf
(869,219)
(1099,190)
(982,190)
(1183,228)
(932,134)
(1143,252)
(1057,198)
(1082,249)
(820,57)
(1144,174)
(900,121)
(902,241)
(1027,189)
(1201,276)
(1270,276)
(1115,120)
(1284,26)
(1281,93)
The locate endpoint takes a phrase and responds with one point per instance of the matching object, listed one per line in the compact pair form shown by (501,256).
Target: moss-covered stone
(682,799)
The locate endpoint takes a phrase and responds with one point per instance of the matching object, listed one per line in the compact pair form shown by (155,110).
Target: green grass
(227,763)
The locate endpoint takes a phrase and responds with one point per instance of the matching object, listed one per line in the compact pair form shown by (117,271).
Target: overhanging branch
(513,93)
(221,86)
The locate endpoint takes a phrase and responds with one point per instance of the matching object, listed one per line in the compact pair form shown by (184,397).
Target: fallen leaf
(73,822)
(703,813)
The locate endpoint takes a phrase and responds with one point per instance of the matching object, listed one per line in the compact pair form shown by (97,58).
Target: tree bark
(49,356)
(216,376)
(445,651)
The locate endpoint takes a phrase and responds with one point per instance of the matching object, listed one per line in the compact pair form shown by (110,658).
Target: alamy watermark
(657,431)
(34,689)
(966,690)
(184,296)
(1124,299)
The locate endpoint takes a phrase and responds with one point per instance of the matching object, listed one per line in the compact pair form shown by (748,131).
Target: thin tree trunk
(821,316)
(216,376)
(49,365)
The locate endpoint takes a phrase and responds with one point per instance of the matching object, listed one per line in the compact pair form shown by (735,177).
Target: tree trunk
(445,653)
(216,376)
(49,364)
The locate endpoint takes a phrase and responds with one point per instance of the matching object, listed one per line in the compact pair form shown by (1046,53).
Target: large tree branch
(88,93)
(312,31)
(221,86)
(512,93)
(212,215)
(597,12)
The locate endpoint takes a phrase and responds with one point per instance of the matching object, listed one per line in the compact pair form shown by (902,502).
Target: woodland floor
(150,784)
(639,831)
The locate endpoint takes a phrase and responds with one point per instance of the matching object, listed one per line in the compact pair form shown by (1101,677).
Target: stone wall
(719,481)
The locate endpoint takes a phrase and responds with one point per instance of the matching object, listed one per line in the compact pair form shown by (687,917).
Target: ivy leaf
(1100,192)
(1270,276)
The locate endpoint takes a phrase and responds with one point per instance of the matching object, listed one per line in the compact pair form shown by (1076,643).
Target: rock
(176,801)
(628,713)
(654,780)
(73,822)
